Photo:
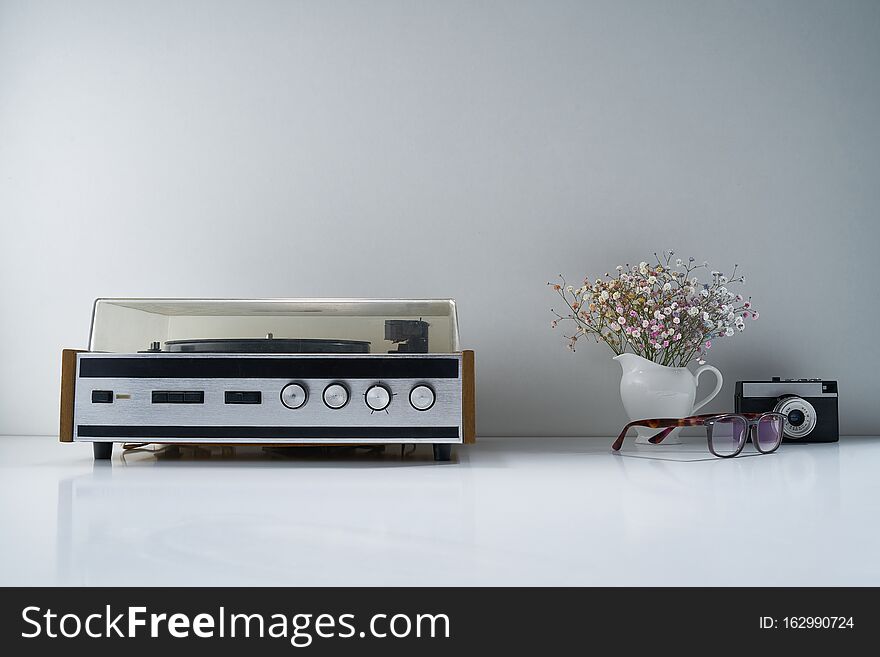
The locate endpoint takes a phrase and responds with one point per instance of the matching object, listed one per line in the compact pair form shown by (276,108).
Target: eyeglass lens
(727,435)
(769,432)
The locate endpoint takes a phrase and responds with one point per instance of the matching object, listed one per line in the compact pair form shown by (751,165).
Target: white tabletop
(507,511)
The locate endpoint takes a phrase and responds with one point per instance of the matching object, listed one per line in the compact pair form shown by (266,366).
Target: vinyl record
(268,346)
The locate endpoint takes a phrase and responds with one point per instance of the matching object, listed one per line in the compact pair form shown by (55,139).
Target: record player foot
(103,451)
(442,452)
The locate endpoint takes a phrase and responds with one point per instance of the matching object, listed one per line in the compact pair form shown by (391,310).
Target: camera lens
(800,416)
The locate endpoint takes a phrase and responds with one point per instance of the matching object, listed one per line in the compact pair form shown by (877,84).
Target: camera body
(809,406)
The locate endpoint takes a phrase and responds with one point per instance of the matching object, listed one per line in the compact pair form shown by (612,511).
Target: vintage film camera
(809,406)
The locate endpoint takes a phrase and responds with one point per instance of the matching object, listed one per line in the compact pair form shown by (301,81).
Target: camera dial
(800,416)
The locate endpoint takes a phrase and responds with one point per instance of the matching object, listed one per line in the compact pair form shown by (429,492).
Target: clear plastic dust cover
(356,326)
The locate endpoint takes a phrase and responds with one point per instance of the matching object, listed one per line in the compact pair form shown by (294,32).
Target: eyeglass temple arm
(654,424)
(658,438)
(693,421)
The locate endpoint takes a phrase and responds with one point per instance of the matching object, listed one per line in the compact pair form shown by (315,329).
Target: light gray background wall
(466,149)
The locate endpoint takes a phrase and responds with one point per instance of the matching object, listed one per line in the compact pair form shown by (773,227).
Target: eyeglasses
(726,434)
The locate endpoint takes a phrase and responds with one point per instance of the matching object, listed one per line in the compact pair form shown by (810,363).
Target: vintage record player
(270,372)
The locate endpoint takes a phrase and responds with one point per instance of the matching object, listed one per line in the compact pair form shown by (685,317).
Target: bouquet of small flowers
(660,311)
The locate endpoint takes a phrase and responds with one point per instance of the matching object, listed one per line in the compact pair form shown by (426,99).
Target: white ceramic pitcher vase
(649,390)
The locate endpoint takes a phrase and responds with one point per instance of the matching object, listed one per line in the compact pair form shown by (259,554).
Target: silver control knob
(377,397)
(422,398)
(335,395)
(293,395)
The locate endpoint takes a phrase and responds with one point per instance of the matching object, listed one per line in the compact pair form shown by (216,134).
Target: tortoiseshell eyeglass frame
(751,421)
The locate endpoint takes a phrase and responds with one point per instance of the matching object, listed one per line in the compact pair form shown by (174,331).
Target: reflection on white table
(517,511)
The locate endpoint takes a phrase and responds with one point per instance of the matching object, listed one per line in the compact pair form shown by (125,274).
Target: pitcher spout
(629,362)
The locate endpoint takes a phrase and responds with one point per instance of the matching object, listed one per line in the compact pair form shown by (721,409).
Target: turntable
(270,372)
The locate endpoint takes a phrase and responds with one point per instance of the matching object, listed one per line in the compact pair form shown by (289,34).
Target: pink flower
(754,315)
(708,344)
(666,343)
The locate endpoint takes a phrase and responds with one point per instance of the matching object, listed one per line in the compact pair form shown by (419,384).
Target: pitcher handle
(719,382)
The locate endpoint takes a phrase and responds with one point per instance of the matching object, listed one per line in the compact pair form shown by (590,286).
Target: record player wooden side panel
(468,397)
(68,387)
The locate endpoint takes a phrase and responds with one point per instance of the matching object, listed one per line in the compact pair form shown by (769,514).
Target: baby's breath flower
(665,315)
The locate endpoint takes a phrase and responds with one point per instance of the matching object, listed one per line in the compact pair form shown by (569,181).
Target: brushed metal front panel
(135,408)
